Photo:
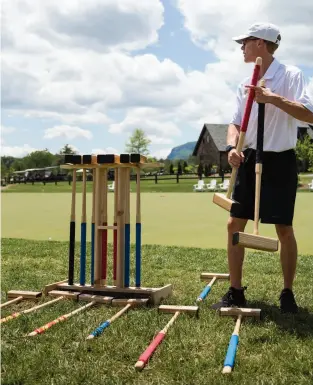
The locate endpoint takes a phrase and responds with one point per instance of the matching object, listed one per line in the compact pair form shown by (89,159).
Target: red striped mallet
(177,310)
(220,199)
(64,317)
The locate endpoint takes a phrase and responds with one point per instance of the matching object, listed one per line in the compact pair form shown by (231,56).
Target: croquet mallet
(147,354)
(255,241)
(128,303)
(229,361)
(223,200)
(213,277)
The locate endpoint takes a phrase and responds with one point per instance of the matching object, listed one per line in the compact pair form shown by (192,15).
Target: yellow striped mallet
(229,361)
(30,310)
(177,310)
(17,296)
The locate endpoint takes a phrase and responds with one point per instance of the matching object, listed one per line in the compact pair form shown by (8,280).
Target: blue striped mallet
(128,303)
(213,277)
(229,361)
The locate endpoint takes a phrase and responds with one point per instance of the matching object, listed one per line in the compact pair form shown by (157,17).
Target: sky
(87,73)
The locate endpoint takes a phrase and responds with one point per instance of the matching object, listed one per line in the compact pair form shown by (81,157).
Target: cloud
(17,151)
(161,154)
(7,130)
(213,24)
(68,132)
(108,150)
(97,24)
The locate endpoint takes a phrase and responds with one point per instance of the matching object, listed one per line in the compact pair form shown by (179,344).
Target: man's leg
(288,253)
(288,258)
(235,294)
(235,253)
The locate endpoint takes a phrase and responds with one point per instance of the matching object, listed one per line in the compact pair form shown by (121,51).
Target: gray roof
(219,134)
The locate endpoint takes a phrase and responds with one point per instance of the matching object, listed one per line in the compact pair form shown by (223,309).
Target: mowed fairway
(182,219)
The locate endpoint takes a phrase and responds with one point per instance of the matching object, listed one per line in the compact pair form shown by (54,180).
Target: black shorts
(278,187)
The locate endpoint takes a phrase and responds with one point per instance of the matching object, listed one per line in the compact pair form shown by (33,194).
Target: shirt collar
(272,69)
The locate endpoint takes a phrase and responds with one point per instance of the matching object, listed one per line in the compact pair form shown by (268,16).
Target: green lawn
(181,219)
(275,350)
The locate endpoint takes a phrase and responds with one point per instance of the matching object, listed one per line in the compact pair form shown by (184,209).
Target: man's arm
(295,109)
(232,135)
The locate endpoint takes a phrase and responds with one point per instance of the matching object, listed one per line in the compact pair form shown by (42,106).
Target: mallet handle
(12,301)
(232,348)
(206,290)
(245,122)
(99,330)
(146,355)
(64,317)
(259,163)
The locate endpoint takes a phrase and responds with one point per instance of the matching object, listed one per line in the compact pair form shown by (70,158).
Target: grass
(276,350)
(177,219)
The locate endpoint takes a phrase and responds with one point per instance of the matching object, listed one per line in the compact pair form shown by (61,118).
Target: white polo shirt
(280,129)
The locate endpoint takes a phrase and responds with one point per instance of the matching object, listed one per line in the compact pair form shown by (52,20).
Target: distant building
(211,145)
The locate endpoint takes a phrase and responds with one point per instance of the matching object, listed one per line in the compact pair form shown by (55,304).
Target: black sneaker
(234,297)
(287,302)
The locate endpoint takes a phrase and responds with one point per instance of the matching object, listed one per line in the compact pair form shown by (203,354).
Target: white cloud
(68,132)
(7,130)
(159,140)
(17,151)
(161,154)
(213,24)
(108,150)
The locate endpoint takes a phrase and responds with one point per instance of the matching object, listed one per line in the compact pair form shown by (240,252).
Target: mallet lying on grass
(207,289)
(129,303)
(147,354)
(255,241)
(234,340)
(15,297)
(220,199)
(30,310)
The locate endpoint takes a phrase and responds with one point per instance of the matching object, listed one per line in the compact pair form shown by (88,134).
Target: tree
(206,170)
(138,143)
(38,159)
(67,150)
(185,165)
(171,169)
(179,169)
(200,170)
(304,151)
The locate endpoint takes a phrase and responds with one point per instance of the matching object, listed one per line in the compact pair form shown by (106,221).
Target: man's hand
(234,159)
(262,95)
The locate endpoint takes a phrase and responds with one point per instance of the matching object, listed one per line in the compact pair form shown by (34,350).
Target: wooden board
(245,312)
(155,295)
(24,294)
(53,286)
(96,298)
(66,294)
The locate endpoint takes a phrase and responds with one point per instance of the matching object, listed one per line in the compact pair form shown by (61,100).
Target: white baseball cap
(264,31)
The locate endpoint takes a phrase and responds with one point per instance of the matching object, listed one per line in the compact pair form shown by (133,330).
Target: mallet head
(256,242)
(236,311)
(207,276)
(134,302)
(182,309)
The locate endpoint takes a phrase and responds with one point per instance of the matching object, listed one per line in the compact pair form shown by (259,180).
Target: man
(286,103)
